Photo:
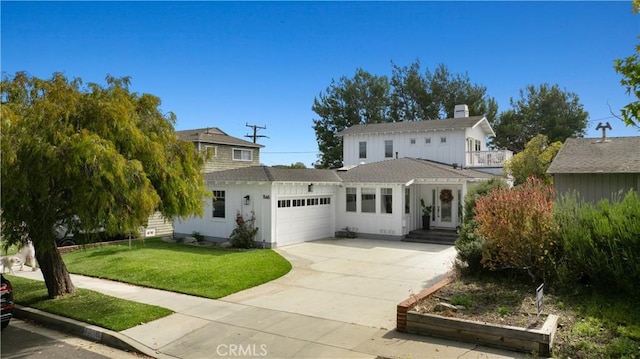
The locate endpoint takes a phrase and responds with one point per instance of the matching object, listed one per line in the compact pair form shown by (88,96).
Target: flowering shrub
(245,231)
(518,227)
(469,243)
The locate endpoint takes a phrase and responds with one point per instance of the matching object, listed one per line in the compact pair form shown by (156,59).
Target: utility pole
(255,135)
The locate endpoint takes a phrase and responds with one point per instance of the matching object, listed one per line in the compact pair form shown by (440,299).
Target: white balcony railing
(495,158)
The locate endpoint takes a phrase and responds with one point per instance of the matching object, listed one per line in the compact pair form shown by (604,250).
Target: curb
(86,331)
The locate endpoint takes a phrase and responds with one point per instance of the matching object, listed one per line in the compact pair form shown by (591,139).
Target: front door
(447,207)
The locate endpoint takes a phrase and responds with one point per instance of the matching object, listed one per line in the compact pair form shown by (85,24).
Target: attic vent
(461,111)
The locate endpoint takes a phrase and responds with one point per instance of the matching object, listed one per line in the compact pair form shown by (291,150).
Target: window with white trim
(388,149)
(240,154)
(412,141)
(427,140)
(407,200)
(443,140)
(219,208)
(211,151)
(386,200)
(368,198)
(351,199)
(362,149)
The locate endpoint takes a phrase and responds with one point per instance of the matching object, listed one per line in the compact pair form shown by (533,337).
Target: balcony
(488,159)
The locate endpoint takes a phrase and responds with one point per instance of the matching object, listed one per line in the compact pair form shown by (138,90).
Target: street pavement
(338,301)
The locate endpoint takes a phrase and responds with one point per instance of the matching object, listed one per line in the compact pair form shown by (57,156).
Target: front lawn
(209,272)
(86,305)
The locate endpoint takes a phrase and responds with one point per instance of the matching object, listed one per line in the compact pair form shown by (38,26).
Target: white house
(375,194)
(461,140)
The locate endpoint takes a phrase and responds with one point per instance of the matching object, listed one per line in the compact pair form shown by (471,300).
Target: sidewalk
(338,301)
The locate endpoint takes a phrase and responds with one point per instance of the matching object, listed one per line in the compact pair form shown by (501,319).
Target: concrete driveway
(357,281)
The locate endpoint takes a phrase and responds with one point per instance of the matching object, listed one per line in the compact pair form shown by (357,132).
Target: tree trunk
(54,271)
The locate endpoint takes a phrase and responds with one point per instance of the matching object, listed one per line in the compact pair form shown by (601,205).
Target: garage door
(303,219)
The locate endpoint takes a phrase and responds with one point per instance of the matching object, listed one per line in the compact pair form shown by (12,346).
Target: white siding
(453,151)
(158,225)
(378,224)
(221,228)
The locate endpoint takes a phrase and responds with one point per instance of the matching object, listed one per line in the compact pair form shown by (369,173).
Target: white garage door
(303,219)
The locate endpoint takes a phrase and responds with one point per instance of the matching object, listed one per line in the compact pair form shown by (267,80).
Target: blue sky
(226,64)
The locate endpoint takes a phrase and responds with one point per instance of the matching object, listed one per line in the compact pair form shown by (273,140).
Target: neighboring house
(225,152)
(377,200)
(461,140)
(377,196)
(597,168)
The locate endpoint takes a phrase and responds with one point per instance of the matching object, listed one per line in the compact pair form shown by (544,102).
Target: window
(298,202)
(362,149)
(284,203)
(351,199)
(326,200)
(427,140)
(443,140)
(211,151)
(218,204)
(242,155)
(386,200)
(478,145)
(407,200)
(368,200)
(312,201)
(388,149)
(412,141)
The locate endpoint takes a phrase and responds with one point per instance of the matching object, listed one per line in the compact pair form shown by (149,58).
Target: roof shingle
(417,126)
(592,155)
(213,135)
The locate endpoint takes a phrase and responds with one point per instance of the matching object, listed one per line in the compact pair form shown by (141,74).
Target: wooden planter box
(501,336)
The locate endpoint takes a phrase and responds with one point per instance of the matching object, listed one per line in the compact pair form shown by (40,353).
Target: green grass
(86,305)
(208,272)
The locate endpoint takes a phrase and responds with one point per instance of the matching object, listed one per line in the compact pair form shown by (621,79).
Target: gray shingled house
(597,168)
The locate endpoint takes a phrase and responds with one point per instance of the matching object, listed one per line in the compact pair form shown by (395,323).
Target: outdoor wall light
(246,200)
(311,187)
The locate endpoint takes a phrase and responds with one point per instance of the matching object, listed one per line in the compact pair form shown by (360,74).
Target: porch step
(435,236)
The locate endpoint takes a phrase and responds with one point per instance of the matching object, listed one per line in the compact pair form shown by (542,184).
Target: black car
(7,301)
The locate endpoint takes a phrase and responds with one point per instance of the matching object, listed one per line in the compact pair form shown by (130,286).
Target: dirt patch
(512,304)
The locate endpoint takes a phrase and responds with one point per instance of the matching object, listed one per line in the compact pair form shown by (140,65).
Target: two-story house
(389,170)
(460,141)
(225,152)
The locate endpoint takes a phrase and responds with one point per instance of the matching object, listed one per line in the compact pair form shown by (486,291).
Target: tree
(360,100)
(534,160)
(88,157)
(410,96)
(544,110)
(629,68)
(297,165)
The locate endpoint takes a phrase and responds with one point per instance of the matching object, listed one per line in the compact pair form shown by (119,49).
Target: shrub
(245,231)
(600,243)
(518,228)
(469,243)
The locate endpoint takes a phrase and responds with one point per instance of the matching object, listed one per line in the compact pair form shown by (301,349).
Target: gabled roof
(420,126)
(592,155)
(214,135)
(402,171)
(273,174)
(405,170)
